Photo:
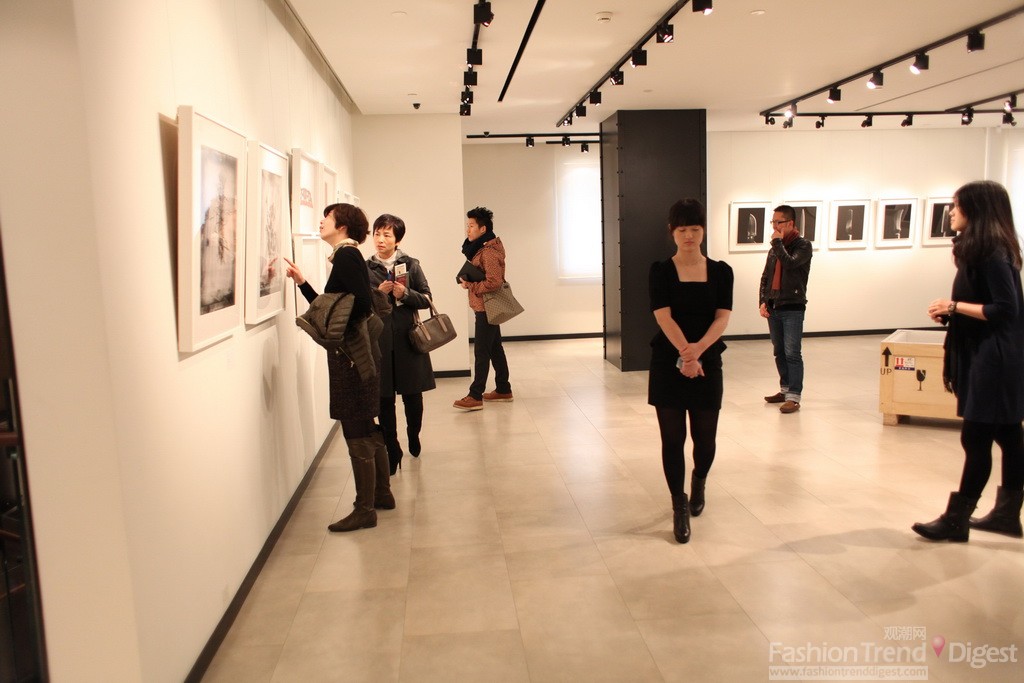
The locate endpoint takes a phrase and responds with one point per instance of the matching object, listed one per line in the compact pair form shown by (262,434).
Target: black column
(649,160)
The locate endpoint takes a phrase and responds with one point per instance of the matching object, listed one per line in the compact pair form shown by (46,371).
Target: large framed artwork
(937,231)
(748,225)
(849,224)
(809,221)
(895,223)
(306,201)
(211,229)
(329,185)
(266,239)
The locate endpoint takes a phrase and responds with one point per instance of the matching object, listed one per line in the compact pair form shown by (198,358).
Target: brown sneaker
(789,407)
(469,403)
(495,397)
(775,398)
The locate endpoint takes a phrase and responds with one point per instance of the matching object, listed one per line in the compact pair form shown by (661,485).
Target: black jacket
(796,267)
(404,370)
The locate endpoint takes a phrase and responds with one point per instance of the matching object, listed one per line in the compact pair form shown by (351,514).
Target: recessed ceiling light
(758,12)
(603,17)
(398,14)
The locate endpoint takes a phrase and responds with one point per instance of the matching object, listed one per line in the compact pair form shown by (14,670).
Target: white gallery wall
(518,184)
(155,477)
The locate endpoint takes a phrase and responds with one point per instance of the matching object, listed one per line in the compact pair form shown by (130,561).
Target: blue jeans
(787,329)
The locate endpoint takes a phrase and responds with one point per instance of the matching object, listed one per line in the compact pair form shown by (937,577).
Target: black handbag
(435,331)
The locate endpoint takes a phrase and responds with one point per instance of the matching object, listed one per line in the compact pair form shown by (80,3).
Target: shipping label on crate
(904,362)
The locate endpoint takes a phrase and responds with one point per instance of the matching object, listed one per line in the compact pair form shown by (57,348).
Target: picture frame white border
(833,218)
(735,246)
(305,176)
(330,193)
(309,253)
(903,242)
(926,223)
(262,157)
(195,330)
(820,220)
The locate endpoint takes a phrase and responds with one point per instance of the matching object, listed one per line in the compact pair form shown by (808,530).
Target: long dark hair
(990,230)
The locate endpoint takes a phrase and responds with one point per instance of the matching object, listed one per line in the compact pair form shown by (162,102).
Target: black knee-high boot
(414,421)
(389,430)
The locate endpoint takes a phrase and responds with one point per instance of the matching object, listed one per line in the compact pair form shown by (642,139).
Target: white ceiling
(747,56)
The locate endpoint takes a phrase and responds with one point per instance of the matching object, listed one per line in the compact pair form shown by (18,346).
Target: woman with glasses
(984,360)
(691,298)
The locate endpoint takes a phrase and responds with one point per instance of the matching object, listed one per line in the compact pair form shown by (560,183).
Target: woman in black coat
(984,360)
(354,400)
(404,370)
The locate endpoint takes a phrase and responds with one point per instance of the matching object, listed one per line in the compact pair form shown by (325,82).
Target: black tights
(703,429)
(358,429)
(977,439)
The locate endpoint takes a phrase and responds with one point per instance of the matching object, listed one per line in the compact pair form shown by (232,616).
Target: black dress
(985,358)
(693,306)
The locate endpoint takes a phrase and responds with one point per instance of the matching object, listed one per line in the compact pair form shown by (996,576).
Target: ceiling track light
(820,123)
(1010,104)
(769,120)
(1008,119)
(867,122)
(581,110)
(567,121)
(967,118)
(788,123)
(469,77)
(482,13)
(638,58)
(584,148)
(790,111)
(474,56)
(907,122)
(920,63)
(565,141)
(665,33)
(835,94)
(702,6)
(877,79)
(465,110)
(595,98)
(617,77)
(975,41)
(529,141)
(467,96)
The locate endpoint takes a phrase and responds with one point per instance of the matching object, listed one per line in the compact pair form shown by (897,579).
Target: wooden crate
(910,377)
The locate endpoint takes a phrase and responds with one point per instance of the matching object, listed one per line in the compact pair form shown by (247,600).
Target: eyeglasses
(788,220)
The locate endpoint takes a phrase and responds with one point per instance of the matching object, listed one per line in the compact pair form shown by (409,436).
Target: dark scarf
(470,248)
(777,275)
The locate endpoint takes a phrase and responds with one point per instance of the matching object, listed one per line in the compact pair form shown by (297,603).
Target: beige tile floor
(532,542)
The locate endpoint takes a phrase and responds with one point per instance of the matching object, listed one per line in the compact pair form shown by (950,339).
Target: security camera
(415,105)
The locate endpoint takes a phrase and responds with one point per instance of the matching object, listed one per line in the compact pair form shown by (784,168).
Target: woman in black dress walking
(691,297)
(984,360)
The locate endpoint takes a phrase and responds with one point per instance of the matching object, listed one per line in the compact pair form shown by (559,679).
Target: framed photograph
(937,231)
(850,224)
(894,226)
(809,221)
(306,204)
(310,255)
(329,186)
(748,225)
(211,230)
(266,238)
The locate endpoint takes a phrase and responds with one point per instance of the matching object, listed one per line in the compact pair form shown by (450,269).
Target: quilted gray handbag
(500,305)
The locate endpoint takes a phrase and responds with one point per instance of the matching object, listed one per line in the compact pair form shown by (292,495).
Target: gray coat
(404,369)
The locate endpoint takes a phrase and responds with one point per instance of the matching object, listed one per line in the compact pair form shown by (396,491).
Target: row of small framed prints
(235,220)
(849,225)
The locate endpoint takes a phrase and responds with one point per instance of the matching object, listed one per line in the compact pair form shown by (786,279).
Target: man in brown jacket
(484,250)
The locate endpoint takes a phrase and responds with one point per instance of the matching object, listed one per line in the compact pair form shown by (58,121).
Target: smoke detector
(603,17)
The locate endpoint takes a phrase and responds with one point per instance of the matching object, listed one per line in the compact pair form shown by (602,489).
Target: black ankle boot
(1005,516)
(952,525)
(681,519)
(696,494)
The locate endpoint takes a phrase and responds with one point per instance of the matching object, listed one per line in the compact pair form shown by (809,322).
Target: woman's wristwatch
(951,308)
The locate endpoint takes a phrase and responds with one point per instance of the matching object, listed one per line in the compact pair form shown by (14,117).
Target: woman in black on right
(984,360)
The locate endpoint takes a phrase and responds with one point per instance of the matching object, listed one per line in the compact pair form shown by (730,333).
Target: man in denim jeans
(783,299)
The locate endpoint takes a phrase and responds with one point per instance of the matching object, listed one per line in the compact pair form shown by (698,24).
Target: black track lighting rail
(522,48)
(591,137)
(624,59)
(972,105)
(912,54)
